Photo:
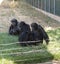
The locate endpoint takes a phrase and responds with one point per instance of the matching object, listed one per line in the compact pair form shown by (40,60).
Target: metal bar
(54,6)
(38,3)
(45,5)
(49,5)
(41,4)
(32,2)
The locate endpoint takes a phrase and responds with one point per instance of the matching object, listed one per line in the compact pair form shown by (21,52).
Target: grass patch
(6,38)
(28,54)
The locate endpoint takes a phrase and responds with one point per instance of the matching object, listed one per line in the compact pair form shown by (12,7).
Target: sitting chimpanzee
(33,38)
(24,35)
(37,33)
(40,33)
(13,30)
(24,27)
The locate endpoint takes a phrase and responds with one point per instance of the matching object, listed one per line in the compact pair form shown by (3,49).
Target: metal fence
(52,6)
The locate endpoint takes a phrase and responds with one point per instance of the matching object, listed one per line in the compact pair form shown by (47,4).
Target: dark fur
(24,27)
(24,35)
(37,33)
(40,33)
(45,35)
(13,30)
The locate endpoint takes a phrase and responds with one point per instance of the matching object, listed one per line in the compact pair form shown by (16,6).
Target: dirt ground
(8,12)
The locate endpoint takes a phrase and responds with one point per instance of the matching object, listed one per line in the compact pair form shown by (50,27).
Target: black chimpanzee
(25,31)
(24,27)
(37,33)
(13,30)
(40,33)
(25,37)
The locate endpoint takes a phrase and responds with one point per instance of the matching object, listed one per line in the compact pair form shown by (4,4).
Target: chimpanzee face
(34,26)
(22,23)
(14,23)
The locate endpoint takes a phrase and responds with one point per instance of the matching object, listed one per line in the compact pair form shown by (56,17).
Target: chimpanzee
(24,35)
(24,27)
(37,33)
(40,33)
(32,37)
(13,30)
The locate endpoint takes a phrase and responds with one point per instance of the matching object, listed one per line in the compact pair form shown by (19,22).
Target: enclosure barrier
(52,6)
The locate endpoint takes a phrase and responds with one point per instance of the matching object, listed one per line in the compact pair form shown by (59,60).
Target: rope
(23,42)
(20,42)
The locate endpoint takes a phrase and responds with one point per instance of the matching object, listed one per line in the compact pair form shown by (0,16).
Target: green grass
(42,56)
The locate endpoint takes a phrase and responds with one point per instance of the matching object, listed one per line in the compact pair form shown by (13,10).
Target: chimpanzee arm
(11,29)
(45,35)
